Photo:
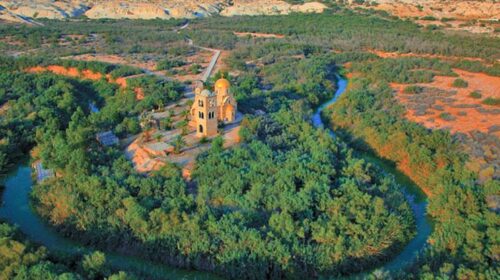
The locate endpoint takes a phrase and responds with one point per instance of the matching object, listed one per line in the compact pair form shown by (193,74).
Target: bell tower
(204,112)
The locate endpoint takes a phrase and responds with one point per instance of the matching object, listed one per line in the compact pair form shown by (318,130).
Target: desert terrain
(28,11)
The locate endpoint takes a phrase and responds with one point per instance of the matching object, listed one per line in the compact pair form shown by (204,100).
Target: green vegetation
(475,94)
(355,31)
(446,116)
(291,220)
(464,238)
(492,101)
(290,201)
(41,106)
(413,89)
(428,18)
(459,83)
(167,64)
(20,259)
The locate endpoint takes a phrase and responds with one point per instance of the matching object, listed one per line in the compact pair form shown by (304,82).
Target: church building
(211,108)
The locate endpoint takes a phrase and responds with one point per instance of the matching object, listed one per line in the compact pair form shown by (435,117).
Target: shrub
(168,64)
(428,18)
(492,101)
(446,116)
(475,94)
(203,140)
(459,83)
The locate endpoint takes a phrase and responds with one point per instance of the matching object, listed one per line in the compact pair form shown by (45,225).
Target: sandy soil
(468,114)
(202,58)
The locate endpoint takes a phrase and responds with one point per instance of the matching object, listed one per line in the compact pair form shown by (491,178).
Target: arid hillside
(29,10)
(458,9)
(476,16)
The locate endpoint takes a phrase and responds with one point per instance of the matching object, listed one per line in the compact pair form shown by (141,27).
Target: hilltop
(27,11)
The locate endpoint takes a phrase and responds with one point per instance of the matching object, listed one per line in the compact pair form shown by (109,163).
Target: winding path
(16,209)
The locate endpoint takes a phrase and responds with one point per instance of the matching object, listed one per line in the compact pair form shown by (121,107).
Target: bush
(492,101)
(168,64)
(475,94)
(428,18)
(446,116)
(459,83)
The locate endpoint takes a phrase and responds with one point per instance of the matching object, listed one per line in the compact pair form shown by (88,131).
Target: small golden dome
(222,83)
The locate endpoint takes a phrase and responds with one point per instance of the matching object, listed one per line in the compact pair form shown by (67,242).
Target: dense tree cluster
(311,217)
(295,195)
(354,31)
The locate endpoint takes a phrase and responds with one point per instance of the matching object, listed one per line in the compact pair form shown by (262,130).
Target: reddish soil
(139,93)
(85,74)
(121,81)
(69,72)
(465,119)
(384,54)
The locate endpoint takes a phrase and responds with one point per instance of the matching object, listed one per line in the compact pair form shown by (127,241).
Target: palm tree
(179,143)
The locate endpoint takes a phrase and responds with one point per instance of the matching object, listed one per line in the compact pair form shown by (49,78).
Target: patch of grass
(475,94)
(460,83)
(492,101)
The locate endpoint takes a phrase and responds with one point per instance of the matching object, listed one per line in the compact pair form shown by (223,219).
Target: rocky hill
(30,10)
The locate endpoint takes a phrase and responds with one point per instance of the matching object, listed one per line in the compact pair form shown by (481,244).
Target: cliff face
(24,10)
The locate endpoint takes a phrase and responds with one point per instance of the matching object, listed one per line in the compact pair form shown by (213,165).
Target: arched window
(200,102)
(200,129)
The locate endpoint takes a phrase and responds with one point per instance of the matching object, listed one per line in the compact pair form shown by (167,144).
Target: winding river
(16,209)
(415,197)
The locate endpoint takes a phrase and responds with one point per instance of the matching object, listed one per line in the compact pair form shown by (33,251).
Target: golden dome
(222,83)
